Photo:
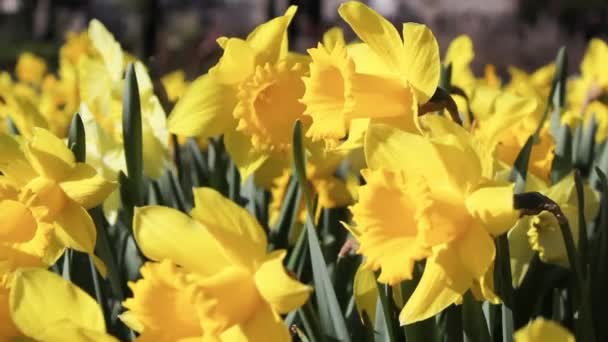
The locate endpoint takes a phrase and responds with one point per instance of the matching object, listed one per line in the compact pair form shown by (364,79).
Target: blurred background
(181,33)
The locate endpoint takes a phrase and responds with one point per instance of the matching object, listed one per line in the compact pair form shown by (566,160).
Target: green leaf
(288,215)
(104,250)
(557,94)
(423,331)
(132,138)
(77,142)
(599,270)
(330,312)
(473,320)
(582,224)
(445,77)
(10,124)
(562,160)
(586,146)
(385,315)
(441,100)
(520,166)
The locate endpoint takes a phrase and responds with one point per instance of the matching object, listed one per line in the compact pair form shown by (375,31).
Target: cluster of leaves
(475,210)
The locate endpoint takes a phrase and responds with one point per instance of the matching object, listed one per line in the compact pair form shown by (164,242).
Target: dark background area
(182,33)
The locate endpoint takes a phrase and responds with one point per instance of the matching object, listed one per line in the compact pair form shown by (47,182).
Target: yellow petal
(594,57)
(332,192)
(85,186)
(68,331)
(76,228)
(156,156)
(49,155)
(367,61)
(13,163)
(240,235)
(40,299)
(377,32)
(388,147)
(365,291)
(519,250)
(460,54)
(421,60)
(281,291)
(165,233)
(431,296)
(386,215)
(8,329)
(237,63)
(220,308)
(18,223)
(205,109)
(264,325)
(108,48)
(332,37)
(509,110)
(270,38)
(246,158)
(492,206)
(476,252)
(30,68)
(543,330)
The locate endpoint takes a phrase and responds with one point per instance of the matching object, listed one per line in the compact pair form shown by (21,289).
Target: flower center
(268,105)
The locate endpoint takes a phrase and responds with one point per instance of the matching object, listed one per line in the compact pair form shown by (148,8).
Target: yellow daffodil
(250,96)
(77,45)
(460,55)
(44,194)
(175,84)
(544,233)
(510,119)
(526,84)
(383,78)
(18,102)
(183,295)
(45,307)
(430,198)
(30,68)
(543,330)
(593,80)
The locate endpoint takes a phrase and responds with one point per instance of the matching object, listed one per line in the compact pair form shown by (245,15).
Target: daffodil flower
(384,78)
(44,197)
(433,199)
(184,295)
(175,84)
(18,103)
(30,68)
(251,97)
(543,330)
(101,88)
(541,233)
(593,79)
(45,307)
